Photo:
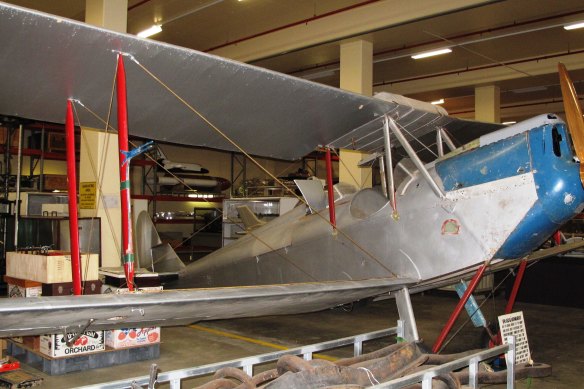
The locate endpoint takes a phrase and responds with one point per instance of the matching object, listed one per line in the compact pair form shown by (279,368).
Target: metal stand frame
(406,325)
(238,172)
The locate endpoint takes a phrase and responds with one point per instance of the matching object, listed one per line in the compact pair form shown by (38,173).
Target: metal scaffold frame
(425,376)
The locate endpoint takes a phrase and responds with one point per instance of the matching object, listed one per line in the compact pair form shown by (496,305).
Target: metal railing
(425,376)
(174,377)
(472,361)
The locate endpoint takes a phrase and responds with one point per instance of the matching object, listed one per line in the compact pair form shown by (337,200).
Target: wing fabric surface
(47,59)
(41,315)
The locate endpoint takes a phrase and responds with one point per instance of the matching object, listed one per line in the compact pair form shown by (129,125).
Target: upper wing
(418,120)
(22,316)
(48,59)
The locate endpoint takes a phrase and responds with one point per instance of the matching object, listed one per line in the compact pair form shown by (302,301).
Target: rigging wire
(233,143)
(277,252)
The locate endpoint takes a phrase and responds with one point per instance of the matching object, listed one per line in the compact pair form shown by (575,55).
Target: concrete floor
(555,335)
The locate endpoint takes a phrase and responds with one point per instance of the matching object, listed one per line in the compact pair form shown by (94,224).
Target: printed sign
(87,191)
(513,324)
(56,345)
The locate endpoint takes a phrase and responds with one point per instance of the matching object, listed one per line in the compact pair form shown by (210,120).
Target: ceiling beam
(358,21)
(473,77)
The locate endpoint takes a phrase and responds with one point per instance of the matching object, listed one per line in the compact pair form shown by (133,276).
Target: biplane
(489,202)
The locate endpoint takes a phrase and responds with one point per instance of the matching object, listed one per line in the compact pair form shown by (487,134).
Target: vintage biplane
(486,203)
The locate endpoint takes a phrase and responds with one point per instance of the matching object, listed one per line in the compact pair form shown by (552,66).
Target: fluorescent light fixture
(574,26)
(508,123)
(431,53)
(438,102)
(155,29)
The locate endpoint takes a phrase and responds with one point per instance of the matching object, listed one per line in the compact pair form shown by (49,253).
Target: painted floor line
(252,340)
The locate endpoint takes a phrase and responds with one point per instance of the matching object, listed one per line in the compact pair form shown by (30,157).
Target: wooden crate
(66,288)
(49,269)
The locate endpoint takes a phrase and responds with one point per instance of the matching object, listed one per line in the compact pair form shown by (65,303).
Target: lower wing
(45,315)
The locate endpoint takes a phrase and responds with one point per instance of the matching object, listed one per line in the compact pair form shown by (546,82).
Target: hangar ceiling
(515,44)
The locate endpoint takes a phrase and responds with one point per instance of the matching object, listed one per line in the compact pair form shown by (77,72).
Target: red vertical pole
(450,323)
(127,244)
(516,284)
(557,238)
(72,189)
(329,184)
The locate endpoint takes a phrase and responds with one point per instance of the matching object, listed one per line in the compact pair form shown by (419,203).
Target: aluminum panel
(47,59)
(71,313)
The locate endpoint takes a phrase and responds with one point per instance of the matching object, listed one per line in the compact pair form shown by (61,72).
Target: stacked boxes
(35,275)
(115,282)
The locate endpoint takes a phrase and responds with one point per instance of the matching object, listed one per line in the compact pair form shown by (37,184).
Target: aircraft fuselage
(502,201)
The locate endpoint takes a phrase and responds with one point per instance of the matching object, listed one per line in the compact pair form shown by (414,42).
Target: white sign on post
(514,324)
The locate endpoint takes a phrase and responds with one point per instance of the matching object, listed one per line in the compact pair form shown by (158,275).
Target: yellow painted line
(252,340)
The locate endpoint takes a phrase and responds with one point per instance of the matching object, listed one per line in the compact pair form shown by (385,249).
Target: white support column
(98,163)
(488,104)
(99,149)
(356,76)
(357,67)
(110,14)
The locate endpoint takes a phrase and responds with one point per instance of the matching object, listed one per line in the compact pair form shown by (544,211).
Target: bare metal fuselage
(493,193)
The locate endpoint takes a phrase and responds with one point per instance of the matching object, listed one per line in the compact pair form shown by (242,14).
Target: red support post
(516,285)
(450,323)
(557,238)
(329,184)
(127,244)
(72,189)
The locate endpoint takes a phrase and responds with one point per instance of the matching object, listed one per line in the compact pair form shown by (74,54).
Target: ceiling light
(508,123)
(155,29)
(574,26)
(431,53)
(437,102)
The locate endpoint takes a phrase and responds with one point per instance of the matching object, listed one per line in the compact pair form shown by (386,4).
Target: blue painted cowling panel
(559,191)
(506,158)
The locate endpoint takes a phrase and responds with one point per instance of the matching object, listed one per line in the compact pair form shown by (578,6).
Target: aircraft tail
(249,219)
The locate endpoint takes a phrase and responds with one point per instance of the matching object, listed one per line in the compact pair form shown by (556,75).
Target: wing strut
(389,170)
(415,159)
(331,194)
(441,138)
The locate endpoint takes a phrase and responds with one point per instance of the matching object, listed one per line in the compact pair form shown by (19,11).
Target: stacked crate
(34,275)
(115,282)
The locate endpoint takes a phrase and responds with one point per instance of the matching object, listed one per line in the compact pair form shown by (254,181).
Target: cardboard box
(18,291)
(56,182)
(131,337)
(66,288)
(49,268)
(56,345)
(106,289)
(22,288)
